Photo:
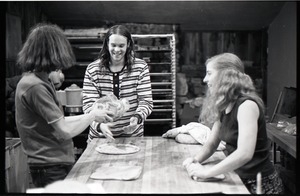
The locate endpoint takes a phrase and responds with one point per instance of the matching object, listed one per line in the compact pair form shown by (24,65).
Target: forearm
(230,163)
(71,119)
(211,144)
(75,125)
(205,153)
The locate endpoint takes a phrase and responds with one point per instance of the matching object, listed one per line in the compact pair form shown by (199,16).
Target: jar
(73,96)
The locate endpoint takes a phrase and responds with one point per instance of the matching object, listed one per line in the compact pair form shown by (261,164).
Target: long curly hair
(46,49)
(230,84)
(104,54)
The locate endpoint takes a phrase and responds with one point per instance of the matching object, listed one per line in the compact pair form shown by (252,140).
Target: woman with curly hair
(46,134)
(236,114)
(118,72)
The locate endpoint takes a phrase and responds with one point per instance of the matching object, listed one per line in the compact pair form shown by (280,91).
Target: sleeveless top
(260,161)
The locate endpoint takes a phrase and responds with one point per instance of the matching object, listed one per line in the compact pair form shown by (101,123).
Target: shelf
(161,83)
(164,101)
(159,63)
(162,50)
(162,106)
(162,110)
(159,120)
(161,90)
(160,55)
(85,39)
(87,46)
(160,74)
(152,36)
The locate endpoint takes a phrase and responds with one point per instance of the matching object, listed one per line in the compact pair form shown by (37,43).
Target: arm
(247,117)
(210,145)
(73,125)
(42,102)
(208,148)
(144,92)
(145,101)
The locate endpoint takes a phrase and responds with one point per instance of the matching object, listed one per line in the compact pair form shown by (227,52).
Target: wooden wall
(197,47)
(20,17)
(282,56)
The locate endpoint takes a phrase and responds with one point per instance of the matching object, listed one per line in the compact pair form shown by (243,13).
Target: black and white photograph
(150,97)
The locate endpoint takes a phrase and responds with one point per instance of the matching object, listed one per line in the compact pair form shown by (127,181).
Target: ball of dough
(185,139)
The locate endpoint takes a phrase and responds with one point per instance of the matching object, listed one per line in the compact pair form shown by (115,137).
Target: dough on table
(117,172)
(185,139)
(117,149)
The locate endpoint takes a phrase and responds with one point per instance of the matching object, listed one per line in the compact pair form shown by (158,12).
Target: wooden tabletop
(161,160)
(284,140)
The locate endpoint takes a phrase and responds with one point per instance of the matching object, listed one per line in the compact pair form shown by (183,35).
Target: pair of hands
(105,128)
(101,115)
(195,169)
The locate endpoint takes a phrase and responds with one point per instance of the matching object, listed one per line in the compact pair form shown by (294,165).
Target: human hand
(101,115)
(197,102)
(106,131)
(172,133)
(57,78)
(188,161)
(196,171)
(132,126)
(134,120)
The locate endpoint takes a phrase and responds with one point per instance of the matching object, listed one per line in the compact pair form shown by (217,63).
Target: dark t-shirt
(36,108)
(260,161)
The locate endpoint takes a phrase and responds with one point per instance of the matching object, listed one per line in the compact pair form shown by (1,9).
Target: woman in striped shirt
(118,72)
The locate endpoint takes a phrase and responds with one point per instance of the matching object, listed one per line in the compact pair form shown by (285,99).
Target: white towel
(192,133)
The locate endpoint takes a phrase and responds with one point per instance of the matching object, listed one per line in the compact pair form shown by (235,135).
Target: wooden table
(285,141)
(161,160)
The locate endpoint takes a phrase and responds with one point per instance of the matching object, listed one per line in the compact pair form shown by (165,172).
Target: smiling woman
(237,114)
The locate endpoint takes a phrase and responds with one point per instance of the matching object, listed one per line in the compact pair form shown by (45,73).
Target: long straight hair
(46,49)
(104,54)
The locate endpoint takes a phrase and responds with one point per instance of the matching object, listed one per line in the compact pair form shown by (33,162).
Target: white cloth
(192,133)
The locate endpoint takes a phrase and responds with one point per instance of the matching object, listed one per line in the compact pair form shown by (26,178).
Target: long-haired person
(46,134)
(117,71)
(237,114)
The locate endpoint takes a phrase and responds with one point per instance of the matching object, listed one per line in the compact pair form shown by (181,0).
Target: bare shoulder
(249,106)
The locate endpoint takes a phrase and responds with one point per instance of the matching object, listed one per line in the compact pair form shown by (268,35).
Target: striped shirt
(135,87)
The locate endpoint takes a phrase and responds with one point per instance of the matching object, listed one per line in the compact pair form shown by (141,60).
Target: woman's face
(117,46)
(211,75)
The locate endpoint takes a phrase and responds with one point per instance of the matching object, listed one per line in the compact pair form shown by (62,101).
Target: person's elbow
(63,131)
(62,134)
(67,135)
